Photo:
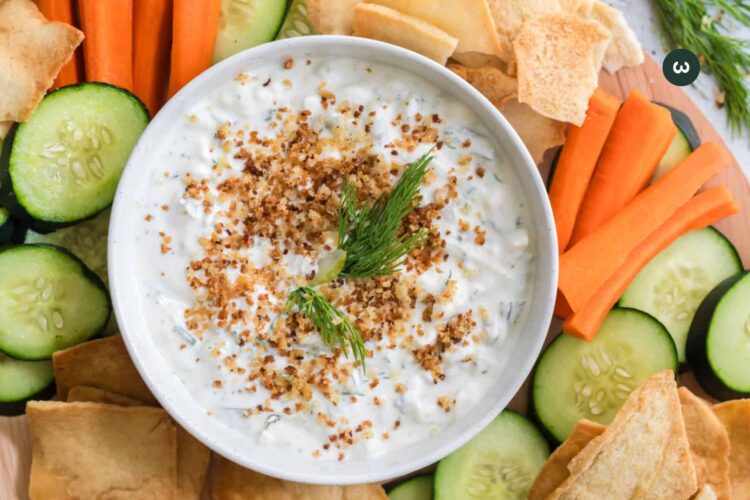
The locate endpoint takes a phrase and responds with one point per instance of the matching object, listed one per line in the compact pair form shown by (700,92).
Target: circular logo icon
(681,67)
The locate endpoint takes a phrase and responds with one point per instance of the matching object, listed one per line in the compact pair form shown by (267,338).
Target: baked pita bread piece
(554,472)
(388,25)
(192,456)
(233,482)
(643,453)
(539,133)
(331,17)
(102,363)
(735,417)
(558,60)
(624,49)
(95,450)
(32,52)
(509,16)
(709,444)
(468,20)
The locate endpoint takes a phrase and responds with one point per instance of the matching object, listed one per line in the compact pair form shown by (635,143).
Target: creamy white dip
(491,279)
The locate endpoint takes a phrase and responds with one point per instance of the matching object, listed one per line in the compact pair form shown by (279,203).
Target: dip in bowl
(231,201)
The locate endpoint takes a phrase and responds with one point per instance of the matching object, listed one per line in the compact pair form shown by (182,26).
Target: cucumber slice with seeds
(87,241)
(296,22)
(20,381)
(500,462)
(64,163)
(247,23)
(50,299)
(673,284)
(575,379)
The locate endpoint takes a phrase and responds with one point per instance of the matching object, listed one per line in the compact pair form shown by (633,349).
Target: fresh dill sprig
(370,233)
(334,326)
(689,24)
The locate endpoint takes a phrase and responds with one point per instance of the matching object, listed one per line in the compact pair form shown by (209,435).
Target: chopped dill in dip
(244,206)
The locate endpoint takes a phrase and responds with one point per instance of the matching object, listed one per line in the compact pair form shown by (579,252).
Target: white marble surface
(643,20)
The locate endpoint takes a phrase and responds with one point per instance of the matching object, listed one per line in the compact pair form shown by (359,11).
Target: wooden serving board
(15,446)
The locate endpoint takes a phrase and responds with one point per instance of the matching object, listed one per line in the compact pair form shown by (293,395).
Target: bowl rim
(137,342)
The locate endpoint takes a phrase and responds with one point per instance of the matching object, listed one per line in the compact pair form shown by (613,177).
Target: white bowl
(240,448)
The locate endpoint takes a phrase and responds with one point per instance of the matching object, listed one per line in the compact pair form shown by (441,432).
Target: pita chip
(624,49)
(233,482)
(95,450)
(705,493)
(558,61)
(192,455)
(735,417)
(96,395)
(709,444)
(388,25)
(580,7)
(4,129)
(331,17)
(554,472)
(644,450)
(539,133)
(509,16)
(102,363)
(468,20)
(32,52)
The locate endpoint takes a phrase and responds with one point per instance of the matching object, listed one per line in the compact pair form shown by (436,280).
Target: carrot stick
(62,11)
(640,136)
(702,210)
(577,161)
(562,308)
(152,31)
(587,265)
(194,29)
(108,48)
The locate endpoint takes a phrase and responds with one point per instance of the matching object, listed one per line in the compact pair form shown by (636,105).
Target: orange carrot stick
(640,136)
(194,29)
(108,48)
(577,161)
(702,210)
(62,11)
(152,32)
(587,265)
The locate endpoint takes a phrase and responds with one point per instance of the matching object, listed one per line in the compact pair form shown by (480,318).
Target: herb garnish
(688,24)
(333,325)
(371,244)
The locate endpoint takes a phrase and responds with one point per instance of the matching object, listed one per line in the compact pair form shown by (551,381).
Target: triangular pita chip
(102,363)
(509,16)
(192,455)
(644,452)
(468,20)
(32,52)
(735,416)
(233,482)
(95,450)
(558,59)
(388,25)
(537,132)
(624,49)
(331,17)
(709,444)
(554,472)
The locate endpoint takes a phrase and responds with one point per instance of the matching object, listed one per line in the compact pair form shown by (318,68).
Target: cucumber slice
(296,22)
(416,488)
(575,379)
(673,284)
(247,23)
(87,241)
(678,151)
(685,142)
(501,462)
(63,165)
(50,301)
(20,381)
(718,348)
